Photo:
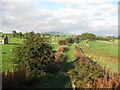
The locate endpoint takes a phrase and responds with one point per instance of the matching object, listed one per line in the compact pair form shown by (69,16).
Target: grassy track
(82,43)
(69,53)
(55,46)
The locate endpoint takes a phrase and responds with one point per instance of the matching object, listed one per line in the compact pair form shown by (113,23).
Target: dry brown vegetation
(60,49)
(102,79)
(109,80)
(58,54)
(77,54)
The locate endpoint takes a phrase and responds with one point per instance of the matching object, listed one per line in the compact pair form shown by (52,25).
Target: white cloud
(84,18)
(16,0)
(80,2)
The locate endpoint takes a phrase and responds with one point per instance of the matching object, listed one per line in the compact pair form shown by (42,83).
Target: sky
(69,16)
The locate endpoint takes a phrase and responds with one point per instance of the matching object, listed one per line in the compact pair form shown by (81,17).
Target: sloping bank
(105,54)
(88,74)
(78,71)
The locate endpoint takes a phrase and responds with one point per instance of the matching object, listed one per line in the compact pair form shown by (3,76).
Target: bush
(66,49)
(76,39)
(85,70)
(69,40)
(89,36)
(62,42)
(3,52)
(109,80)
(34,55)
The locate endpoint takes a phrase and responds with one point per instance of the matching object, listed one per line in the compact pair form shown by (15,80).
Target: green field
(104,53)
(7,53)
(105,47)
(56,39)
(13,42)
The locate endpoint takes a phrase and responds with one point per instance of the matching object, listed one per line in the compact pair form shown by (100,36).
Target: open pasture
(7,53)
(104,53)
(56,39)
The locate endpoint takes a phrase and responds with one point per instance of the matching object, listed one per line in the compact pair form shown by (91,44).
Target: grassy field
(56,39)
(69,53)
(82,43)
(7,53)
(105,47)
(13,42)
(105,53)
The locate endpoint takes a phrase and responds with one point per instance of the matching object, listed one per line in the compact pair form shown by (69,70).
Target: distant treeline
(75,38)
(85,36)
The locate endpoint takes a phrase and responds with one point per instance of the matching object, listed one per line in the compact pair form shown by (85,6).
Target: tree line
(76,39)
(85,36)
(24,35)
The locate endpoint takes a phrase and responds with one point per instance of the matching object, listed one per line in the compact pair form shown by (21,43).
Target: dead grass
(60,49)
(77,54)
(58,55)
(109,80)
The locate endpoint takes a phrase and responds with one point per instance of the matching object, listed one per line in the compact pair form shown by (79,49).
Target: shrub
(76,39)
(89,36)
(34,55)
(109,80)
(69,40)
(62,42)
(66,49)
(3,52)
(84,71)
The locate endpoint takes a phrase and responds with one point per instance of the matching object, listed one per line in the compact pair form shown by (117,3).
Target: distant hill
(55,33)
(58,34)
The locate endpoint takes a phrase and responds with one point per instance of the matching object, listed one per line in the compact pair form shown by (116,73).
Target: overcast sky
(70,16)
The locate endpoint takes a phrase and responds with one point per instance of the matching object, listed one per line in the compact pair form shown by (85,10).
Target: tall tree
(110,38)
(76,39)
(69,40)
(20,35)
(14,33)
(89,36)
